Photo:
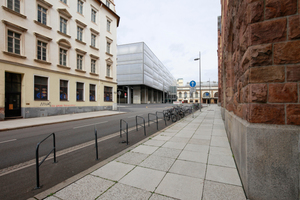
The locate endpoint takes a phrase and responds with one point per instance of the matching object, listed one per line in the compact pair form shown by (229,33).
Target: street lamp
(199,58)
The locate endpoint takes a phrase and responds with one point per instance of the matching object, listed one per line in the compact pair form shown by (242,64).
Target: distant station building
(209,91)
(142,78)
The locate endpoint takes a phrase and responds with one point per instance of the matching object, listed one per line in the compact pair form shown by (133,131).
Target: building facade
(260,97)
(142,76)
(57,57)
(209,91)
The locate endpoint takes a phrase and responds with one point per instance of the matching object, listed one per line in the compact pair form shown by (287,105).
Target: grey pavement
(190,159)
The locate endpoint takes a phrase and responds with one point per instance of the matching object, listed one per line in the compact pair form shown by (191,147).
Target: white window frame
(83,92)
(63,26)
(48,87)
(94,15)
(13,2)
(80,31)
(66,55)
(79,61)
(93,65)
(43,12)
(68,91)
(93,40)
(108,70)
(108,25)
(80,6)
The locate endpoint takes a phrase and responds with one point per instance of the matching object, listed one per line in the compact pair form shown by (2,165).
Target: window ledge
(14,55)
(42,61)
(62,66)
(94,74)
(42,25)
(109,54)
(94,48)
(68,36)
(14,12)
(108,77)
(79,70)
(80,42)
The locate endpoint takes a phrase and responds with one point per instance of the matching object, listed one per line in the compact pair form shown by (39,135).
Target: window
(14,5)
(92,92)
(107,3)
(13,42)
(63,25)
(79,61)
(108,25)
(79,6)
(40,88)
(185,95)
(93,17)
(108,70)
(63,57)
(108,47)
(42,15)
(180,95)
(79,91)
(63,90)
(93,40)
(64,1)
(93,66)
(196,94)
(41,50)
(191,95)
(79,33)
(206,94)
(107,93)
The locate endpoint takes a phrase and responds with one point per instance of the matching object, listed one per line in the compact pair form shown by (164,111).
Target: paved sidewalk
(188,160)
(37,121)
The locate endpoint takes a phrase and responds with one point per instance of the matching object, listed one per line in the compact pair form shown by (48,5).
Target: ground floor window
(79,91)
(92,92)
(63,90)
(107,93)
(40,88)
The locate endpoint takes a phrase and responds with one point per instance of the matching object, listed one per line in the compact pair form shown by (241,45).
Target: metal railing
(38,164)
(153,120)
(136,124)
(126,130)
(164,118)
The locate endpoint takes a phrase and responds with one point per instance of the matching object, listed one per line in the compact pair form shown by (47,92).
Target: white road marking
(8,141)
(90,125)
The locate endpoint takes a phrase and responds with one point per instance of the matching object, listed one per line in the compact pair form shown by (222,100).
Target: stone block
(266,113)
(293,114)
(268,31)
(294,27)
(267,74)
(261,55)
(258,93)
(245,94)
(283,93)
(256,11)
(287,53)
(279,8)
(293,73)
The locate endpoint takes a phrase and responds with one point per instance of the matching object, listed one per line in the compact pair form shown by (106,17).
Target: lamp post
(199,58)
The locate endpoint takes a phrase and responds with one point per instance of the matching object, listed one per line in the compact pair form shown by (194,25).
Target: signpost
(192,84)
(119,93)
(192,90)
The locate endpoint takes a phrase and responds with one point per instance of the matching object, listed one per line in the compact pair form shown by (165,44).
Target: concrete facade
(259,92)
(53,41)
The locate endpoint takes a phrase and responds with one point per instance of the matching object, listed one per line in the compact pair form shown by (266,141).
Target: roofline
(109,10)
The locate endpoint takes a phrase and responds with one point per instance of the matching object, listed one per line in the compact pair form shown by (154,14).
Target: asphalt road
(19,184)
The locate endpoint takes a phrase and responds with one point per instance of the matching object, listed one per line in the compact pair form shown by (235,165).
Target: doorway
(12,95)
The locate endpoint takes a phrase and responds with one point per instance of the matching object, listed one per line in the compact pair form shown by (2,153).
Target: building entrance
(12,95)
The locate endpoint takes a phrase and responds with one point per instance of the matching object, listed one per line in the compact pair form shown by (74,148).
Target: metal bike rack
(96,142)
(153,120)
(164,118)
(37,158)
(126,130)
(136,124)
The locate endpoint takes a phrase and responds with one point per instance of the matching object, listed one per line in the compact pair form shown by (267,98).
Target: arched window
(180,94)
(216,94)
(191,95)
(185,95)
(206,94)
(196,94)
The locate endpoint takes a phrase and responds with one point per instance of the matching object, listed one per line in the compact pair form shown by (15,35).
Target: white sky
(175,31)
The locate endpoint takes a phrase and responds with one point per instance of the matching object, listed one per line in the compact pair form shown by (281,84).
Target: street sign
(192,90)
(192,83)
(119,93)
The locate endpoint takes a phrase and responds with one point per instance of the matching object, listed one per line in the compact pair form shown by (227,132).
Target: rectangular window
(79,91)
(13,42)
(92,92)
(107,3)
(42,50)
(40,88)
(14,5)
(79,6)
(63,90)
(79,61)
(42,15)
(94,13)
(108,70)
(63,25)
(108,47)
(107,93)
(93,66)
(108,25)
(63,57)
(79,33)
(93,40)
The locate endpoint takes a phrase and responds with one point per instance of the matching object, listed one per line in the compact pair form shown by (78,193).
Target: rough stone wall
(260,65)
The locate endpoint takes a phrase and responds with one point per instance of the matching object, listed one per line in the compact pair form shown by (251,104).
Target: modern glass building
(142,77)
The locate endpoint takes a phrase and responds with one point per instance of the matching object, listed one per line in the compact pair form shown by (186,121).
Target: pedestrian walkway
(190,159)
(31,122)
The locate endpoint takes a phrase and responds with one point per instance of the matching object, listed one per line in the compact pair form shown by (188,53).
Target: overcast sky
(175,31)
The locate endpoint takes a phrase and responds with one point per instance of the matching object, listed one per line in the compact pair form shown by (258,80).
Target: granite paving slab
(179,139)
(132,158)
(221,160)
(197,148)
(219,141)
(158,163)
(223,175)
(164,138)
(154,142)
(160,197)
(193,156)
(174,145)
(220,151)
(144,149)
(187,168)
(167,152)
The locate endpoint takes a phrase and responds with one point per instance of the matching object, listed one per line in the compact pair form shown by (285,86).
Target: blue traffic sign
(192,83)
